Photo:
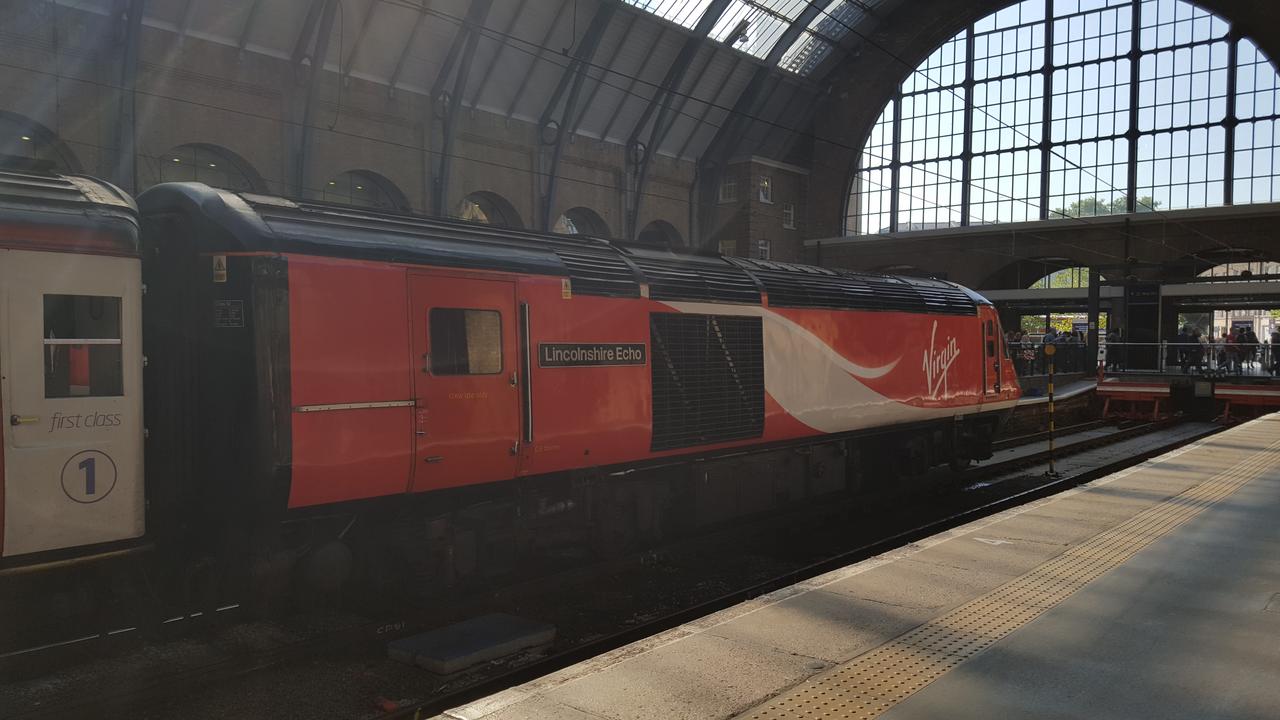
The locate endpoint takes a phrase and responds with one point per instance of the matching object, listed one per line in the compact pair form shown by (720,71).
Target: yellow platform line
(877,680)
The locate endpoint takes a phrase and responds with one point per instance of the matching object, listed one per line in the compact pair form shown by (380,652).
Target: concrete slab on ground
(730,662)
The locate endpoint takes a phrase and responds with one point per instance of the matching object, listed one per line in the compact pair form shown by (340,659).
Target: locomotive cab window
(82,348)
(465,342)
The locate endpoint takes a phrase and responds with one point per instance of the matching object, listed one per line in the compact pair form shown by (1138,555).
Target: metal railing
(1219,359)
(1028,358)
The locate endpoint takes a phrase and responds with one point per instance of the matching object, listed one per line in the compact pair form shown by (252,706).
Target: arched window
(581,221)
(27,146)
(489,208)
(661,232)
(364,188)
(208,164)
(1070,277)
(1238,270)
(1027,115)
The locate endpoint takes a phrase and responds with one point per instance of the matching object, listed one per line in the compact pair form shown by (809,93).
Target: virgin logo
(937,362)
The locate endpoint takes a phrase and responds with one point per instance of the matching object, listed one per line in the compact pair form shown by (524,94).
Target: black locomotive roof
(243,222)
(71,201)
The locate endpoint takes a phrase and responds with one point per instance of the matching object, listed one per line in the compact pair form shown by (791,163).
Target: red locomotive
(316,374)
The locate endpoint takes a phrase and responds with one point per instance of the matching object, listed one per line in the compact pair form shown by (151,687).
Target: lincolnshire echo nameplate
(590,354)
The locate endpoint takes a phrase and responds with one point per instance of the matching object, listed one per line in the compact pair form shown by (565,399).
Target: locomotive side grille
(700,281)
(600,272)
(708,379)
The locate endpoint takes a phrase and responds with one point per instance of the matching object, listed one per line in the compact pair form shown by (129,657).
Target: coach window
(82,355)
(465,342)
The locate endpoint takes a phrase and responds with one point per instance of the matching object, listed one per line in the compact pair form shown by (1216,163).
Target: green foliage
(1072,277)
(1088,207)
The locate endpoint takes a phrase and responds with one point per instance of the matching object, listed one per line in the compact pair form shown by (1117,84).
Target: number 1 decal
(88,476)
(87,465)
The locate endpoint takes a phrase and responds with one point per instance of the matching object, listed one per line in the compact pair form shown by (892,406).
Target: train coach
(322,378)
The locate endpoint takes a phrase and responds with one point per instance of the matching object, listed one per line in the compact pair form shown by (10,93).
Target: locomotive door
(70,334)
(992,354)
(467,414)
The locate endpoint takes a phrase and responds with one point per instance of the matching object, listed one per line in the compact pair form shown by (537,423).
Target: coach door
(71,357)
(467,419)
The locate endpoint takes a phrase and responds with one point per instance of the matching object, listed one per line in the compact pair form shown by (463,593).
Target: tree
(1088,207)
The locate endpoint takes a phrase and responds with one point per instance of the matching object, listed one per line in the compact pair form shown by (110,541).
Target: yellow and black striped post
(1049,351)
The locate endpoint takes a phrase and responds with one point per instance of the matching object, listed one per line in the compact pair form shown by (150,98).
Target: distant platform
(1206,394)
(1148,593)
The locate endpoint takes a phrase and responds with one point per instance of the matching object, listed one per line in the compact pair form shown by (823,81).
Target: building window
(789,216)
(1045,91)
(729,190)
(82,353)
(465,342)
(766,189)
(763,250)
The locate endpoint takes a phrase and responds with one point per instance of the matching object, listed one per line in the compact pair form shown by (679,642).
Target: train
(297,389)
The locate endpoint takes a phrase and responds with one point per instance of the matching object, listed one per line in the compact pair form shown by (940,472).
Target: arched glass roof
(1064,108)
(796,34)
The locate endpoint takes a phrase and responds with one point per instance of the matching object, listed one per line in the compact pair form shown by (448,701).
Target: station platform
(1150,593)
(1150,393)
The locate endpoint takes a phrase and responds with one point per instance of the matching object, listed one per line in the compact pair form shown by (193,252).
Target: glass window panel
(929,195)
(1097,35)
(1257,163)
(1257,85)
(1182,87)
(465,342)
(1166,23)
(1090,101)
(82,346)
(943,68)
(1088,178)
(1181,169)
(1007,113)
(1008,52)
(359,189)
(754,27)
(1181,112)
(205,164)
(932,125)
(681,12)
(869,208)
(879,147)
(805,54)
(1005,187)
(1063,8)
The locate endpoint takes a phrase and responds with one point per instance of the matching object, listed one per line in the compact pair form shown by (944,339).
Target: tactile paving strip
(873,682)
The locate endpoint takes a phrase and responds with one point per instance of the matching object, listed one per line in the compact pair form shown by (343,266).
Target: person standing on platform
(1251,347)
(1233,351)
(1181,351)
(1275,351)
(1115,349)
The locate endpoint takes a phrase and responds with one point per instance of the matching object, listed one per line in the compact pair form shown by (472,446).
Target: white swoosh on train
(794,329)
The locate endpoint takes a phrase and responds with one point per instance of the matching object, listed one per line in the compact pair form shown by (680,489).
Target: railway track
(367,636)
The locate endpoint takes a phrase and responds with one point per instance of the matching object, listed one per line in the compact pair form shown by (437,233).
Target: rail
(979,480)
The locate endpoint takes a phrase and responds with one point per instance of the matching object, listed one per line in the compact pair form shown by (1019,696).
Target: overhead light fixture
(332,182)
(177,160)
(213,165)
(359,187)
(26,138)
